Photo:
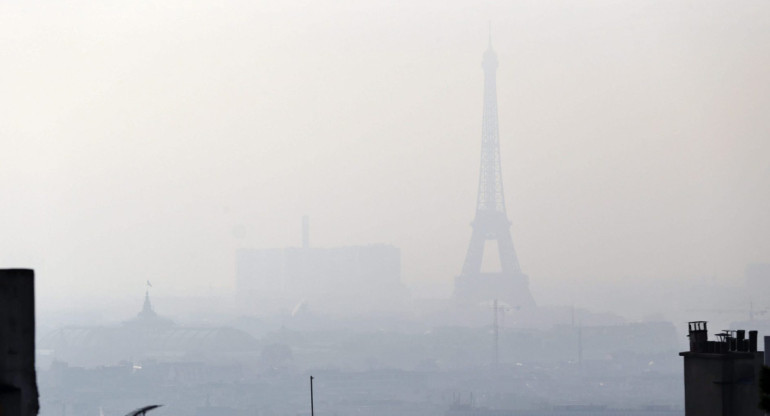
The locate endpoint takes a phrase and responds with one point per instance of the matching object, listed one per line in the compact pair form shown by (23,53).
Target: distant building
(146,337)
(341,279)
(18,385)
(721,378)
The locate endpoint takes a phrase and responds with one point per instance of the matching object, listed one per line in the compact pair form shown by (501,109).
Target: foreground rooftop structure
(721,377)
(18,386)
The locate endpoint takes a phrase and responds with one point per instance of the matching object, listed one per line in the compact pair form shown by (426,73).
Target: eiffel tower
(509,284)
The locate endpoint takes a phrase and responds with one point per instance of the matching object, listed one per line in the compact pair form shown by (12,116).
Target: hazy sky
(150,139)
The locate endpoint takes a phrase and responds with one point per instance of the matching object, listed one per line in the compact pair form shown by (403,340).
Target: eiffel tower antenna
(491,222)
(490,34)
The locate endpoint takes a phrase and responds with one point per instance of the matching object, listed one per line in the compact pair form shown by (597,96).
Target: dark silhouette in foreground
(18,382)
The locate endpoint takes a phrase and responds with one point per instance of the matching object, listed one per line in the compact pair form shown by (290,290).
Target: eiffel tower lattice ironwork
(508,284)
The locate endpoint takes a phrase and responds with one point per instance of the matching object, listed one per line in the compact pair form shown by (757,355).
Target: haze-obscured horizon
(150,140)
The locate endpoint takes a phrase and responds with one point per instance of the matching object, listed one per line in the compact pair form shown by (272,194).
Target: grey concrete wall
(745,387)
(18,383)
(722,384)
(703,395)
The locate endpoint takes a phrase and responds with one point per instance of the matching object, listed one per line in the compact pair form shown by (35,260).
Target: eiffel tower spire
(490,195)
(491,222)
(490,34)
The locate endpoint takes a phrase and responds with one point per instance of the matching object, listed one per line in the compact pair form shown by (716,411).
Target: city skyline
(151,145)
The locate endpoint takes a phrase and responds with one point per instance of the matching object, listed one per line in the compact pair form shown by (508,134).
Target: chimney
(767,350)
(698,334)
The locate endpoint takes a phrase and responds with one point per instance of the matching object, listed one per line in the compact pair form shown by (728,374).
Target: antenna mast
(312,412)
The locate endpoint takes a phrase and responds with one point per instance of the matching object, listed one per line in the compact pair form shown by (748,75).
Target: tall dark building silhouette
(509,284)
(18,380)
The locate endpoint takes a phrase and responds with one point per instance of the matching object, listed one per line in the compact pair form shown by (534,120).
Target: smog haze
(151,140)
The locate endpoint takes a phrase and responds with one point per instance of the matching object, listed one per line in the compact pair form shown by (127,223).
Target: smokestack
(698,334)
(17,343)
(741,343)
(305,231)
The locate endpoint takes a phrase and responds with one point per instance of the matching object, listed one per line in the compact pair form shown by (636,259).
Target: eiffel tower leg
(475,254)
(509,262)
